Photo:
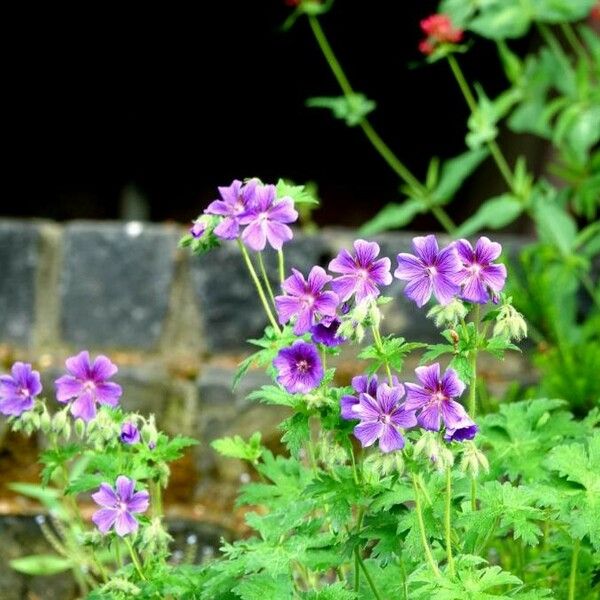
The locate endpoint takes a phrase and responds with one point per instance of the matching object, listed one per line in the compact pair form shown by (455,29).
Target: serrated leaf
(237,447)
(352,108)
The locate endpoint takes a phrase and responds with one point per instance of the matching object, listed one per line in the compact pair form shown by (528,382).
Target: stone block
(19,257)
(115,283)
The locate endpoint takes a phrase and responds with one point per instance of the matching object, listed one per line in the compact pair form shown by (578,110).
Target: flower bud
(80,428)
(155,539)
(375,315)
(510,323)
(379,465)
(45,421)
(59,421)
(149,432)
(430,446)
(448,315)
(473,460)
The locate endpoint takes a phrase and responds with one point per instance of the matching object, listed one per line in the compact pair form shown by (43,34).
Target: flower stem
(472,104)
(448,522)
(382,148)
(135,559)
(118,558)
(281,265)
(259,288)
(265,277)
(424,542)
(573,40)
(367,575)
(379,346)
(573,573)
(156,499)
(473,365)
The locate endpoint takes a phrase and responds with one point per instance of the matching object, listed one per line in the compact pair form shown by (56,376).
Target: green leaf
(393,216)
(500,19)
(558,11)
(393,351)
(352,108)
(455,171)
(495,213)
(237,447)
(41,564)
(262,586)
(85,482)
(270,394)
(482,122)
(296,432)
(336,591)
(298,193)
(555,225)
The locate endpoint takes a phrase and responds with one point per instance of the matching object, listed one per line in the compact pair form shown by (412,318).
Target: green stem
(281,265)
(118,558)
(473,396)
(259,287)
(157,509)
(472,104)
(554,45)
(573,574)
(572,38)
(589,288)
(424,542)
(382,148)
(265,277)
(135,559)
(379,346)
(356,570)
(448,522)
(368,576)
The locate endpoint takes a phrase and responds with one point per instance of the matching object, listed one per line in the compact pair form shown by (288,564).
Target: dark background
(142,112)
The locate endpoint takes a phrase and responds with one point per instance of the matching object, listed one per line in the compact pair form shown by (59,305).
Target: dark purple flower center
(303,366)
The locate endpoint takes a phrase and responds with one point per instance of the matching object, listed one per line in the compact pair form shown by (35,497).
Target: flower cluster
(459,270)
(251,212)
(439,30)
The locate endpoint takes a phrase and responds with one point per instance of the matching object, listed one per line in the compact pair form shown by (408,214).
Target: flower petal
(79,366)
(104,519)
(105,496)
(283,212)
(367,433)
(343,263)
(68,387)
(84,407)
(139,502)
(278,234)
(390,439)
(367,409)
(124,488)
(227,229)
(452,386)
(429,418)
(108,393)
(125,523)
(429,376)
(426,248)
(317,279)
(255,236)
(347,404)
(419,290)
(416,396)
(486,251)
(366,252)
(409,267)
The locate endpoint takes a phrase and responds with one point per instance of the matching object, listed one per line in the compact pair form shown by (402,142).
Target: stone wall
(175,324)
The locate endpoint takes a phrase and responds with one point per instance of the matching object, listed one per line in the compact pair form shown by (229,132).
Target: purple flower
(265,217)
(466,431)
(325,332)
(431,270)
(381,417)
(17,392)
(479,274)
(233,204)
(198,229)
(360,274)
(299,367)
(305,298)
(129,433)
(118,506)
(88,383)
(434,398)
(362,384)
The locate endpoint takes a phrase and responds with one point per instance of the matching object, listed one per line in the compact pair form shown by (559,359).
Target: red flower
(439,30)
(595,13)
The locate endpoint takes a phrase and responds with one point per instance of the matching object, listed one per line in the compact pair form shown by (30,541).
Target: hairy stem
(368,577)
(281,265)
(473,396)
(263,272)
(156,499)
(448,522)
(382,148)
(379,346)
(259,288)
(472,104)
(573,573)
(423,533)
(135,559)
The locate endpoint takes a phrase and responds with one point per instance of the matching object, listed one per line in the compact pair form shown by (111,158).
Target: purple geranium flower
(265,217)
(362,384)
(325,332)
(18,391)
(299,367)
(381,417)
(305,298)
(466,431)
(479,274)
(431,270)
(129,433)
(233,204)
(118,506)
(360,274)
(88,383)
(434,398)
(198,229)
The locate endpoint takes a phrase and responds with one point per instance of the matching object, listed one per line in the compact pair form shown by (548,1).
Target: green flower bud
(149,432)
(80,428)
(448,315)
(510,323)
(45,421)
(473,460)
